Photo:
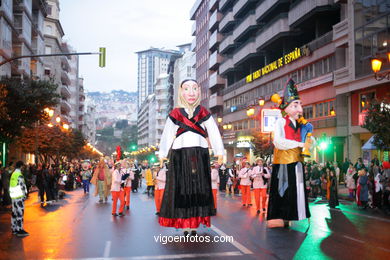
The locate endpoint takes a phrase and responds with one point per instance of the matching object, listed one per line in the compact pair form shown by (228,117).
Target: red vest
(291,132)
(180,118)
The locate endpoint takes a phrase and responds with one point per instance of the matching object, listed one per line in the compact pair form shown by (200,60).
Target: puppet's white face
(294,109)
(190,92)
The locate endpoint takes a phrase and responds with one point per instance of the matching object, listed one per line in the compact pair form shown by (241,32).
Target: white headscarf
(182,103)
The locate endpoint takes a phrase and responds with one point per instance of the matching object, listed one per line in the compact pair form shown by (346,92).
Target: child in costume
(287,197)
(188,199)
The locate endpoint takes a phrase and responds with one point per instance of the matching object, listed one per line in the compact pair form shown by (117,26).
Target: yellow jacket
(149,178)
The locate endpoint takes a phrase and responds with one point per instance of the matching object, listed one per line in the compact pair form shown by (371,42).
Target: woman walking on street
(85,176)
(102,181)
(117,190)
(260,176)
(127,178)
(159,186)
(333,196)
(245,184)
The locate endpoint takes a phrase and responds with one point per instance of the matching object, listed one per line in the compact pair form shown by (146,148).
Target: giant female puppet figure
(188,199)
(287,197)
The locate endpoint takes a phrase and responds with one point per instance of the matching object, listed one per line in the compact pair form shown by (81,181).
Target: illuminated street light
(250,111)
(376,65)
(219,119)
(261,101)
(58,119)
(332,112)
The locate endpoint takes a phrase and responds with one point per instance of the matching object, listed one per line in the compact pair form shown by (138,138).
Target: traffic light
(102,57)
(133,147)
(323,142)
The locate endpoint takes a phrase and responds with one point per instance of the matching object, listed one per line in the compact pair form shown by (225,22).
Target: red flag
(118,153)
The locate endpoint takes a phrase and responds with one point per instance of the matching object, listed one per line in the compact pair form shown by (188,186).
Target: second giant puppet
(188,199)
(287,197)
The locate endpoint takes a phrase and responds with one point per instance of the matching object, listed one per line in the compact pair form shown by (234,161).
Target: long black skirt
(293,205)
(188,199)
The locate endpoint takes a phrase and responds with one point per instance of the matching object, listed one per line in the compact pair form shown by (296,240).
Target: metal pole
(47,55)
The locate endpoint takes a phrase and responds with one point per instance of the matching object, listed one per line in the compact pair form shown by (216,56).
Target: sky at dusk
(123,27)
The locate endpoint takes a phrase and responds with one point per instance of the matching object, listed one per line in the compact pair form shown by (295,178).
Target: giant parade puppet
(188,199)
(292,140)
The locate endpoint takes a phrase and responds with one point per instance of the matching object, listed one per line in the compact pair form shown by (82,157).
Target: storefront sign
(277,64)
(244,144)
(268,119)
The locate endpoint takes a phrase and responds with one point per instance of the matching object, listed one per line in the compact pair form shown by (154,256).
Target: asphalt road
(78,227)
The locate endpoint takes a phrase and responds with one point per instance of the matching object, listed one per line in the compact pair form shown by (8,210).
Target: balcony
(65,78)
(213,4)
(226,66)
(303,8)
(226,44)
(193,45)
(215,101)
(340,33)
(240,6)
(194,9)
(161,116)
(214,60)
(280,26)
(65,92)
(65,105)
(341,76)
(224,3)
(226,22)
(214,40)
(193,29)
(216,80)
(162,96)
(264,8)
(65,64)
(214,20)
(246,51)
(6,9)
(245,27)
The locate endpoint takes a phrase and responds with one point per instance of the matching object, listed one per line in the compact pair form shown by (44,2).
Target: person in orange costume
(245,184)
(117,191)
(260,175)
(159,186)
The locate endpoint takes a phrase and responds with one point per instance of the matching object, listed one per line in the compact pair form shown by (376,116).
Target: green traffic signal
(323,145)
(102,57)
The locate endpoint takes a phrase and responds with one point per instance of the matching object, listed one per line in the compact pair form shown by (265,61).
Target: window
(48,49)
(365,100)
(49,7)
(48,29)
(308,112)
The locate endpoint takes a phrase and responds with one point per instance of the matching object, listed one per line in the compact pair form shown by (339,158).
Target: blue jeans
(86,185)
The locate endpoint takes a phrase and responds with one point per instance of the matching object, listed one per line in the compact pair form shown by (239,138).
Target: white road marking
(354,239)
(362,215)
(107,249)
(178,256)
(234,242)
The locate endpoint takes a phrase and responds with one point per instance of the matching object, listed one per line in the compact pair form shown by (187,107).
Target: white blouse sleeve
(167,138)
(280,141)
(214,136)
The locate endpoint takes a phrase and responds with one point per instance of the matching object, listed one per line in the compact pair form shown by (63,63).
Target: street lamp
(332,112)
(58,119)
(376,64)
(219,120)
(250,111)
(261,101)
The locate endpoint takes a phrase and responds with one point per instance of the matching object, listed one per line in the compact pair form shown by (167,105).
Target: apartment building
(21,29)
(183,69)
(151,63)
(325,46)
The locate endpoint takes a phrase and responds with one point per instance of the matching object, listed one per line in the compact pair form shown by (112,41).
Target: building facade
(151,63)
(183,69)
(324,46)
